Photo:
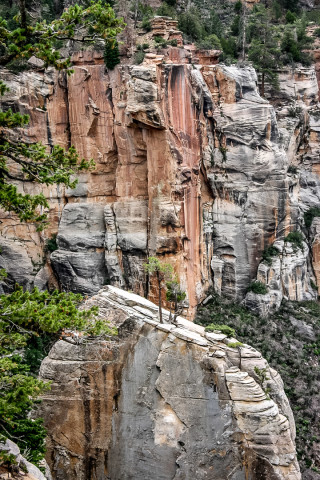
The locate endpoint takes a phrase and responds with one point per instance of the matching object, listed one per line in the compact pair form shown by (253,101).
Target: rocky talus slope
(163,401)
(191,164)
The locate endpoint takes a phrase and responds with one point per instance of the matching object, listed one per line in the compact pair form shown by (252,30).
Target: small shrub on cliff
(175,295)
(225,329)
(258,287)
(269,253)
(310,215)
(296,239)
(211,42)
(163,272)
(139,57)
(51,244)
(235,344)
(293,169)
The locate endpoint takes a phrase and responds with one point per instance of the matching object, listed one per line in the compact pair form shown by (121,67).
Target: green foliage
(225,329)
(229,47)
(7,459)
(269,253)
(235,26)
(146,24)
(166,10)
(310,215)
(235,344)
(190,24)
(111,55)
(238,6)
(57,167)
(317,32)
(163,272)
(313,285)
(155,266)
(18,43)
(51,244)
(174,292)
(213,25)
(293,169)
(258,287)
(139,57)
(290,17)
(143,11)
(211,42)
(296,239)
(264,51)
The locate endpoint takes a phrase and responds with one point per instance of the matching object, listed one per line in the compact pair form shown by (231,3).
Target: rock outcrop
(163,401)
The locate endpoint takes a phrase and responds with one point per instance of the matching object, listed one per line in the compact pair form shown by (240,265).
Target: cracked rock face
(163,401)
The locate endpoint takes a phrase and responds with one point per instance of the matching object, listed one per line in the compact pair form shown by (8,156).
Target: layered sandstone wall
(192,165)
(163,401)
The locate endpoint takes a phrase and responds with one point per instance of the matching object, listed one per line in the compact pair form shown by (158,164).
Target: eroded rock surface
(163,401)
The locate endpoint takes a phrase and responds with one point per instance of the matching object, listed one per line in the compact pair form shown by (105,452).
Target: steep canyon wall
(192,165)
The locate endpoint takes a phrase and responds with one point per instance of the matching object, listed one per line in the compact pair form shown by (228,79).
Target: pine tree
(111,55)
(264,51)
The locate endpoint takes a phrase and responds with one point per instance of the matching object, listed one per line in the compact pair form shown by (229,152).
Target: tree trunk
(23,13)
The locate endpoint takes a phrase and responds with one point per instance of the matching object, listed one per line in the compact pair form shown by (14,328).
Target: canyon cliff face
(163,401)
(192,165)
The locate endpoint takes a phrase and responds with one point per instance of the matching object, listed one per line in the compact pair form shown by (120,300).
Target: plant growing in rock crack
(162,272)
(269,253)
(262,378)
(310,214)
(296,240)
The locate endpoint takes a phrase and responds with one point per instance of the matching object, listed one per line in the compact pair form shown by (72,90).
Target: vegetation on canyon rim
(270,35)
(30,321)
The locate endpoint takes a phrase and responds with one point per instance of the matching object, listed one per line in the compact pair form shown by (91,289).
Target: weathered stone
(154,404)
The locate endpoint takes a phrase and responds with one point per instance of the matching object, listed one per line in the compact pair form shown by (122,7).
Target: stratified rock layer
(163,401)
